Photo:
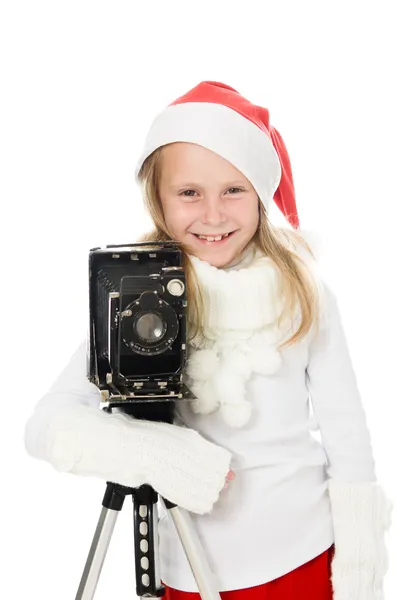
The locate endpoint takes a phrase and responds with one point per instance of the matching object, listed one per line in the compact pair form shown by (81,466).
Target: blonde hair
(298,285)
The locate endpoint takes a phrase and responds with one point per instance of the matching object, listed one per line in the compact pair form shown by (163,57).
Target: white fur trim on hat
(223,131)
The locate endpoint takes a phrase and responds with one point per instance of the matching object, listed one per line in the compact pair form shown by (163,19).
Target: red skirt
(311,581)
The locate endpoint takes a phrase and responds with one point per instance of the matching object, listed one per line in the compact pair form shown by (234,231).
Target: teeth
(212,239)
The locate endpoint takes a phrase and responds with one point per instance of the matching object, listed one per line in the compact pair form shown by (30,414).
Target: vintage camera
(136,350)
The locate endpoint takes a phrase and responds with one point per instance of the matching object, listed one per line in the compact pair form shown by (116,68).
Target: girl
(299,519)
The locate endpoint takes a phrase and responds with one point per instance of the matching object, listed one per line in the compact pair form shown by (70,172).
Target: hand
(229,477)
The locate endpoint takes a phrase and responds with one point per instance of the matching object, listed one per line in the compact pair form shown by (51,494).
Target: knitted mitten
(176,461)
(361,514)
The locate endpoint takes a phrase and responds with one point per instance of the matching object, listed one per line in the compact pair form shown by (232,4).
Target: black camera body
(137,325)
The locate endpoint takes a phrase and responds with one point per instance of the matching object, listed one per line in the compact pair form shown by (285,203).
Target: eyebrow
(193,184)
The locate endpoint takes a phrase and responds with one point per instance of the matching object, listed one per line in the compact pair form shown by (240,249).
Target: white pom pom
(236,416)
(206,401)
(238,363)
(202,364)
(229,387)
(268,362)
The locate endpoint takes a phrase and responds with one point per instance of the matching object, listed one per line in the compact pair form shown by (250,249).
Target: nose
(213,211)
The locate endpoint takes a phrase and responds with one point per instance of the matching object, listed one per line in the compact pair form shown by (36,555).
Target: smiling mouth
(214,239)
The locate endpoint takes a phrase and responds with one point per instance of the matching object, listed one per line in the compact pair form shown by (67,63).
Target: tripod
(145,521)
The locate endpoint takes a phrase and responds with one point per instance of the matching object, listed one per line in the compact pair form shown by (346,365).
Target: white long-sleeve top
(276,514)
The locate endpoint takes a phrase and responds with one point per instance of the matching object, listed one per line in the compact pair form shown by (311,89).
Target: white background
(80,84)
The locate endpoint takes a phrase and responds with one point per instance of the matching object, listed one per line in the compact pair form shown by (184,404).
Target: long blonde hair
(280,244)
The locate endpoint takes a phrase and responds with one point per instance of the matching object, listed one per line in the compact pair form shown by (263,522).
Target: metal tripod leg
(194,553)
(97,554)
(100,543)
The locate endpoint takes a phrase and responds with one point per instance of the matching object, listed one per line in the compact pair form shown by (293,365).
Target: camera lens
(150,327)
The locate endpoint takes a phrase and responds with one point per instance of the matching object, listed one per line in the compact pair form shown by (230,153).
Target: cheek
(178,218)
(247,216)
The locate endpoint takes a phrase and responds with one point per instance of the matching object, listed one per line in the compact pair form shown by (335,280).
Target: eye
(235,188)
(184,193)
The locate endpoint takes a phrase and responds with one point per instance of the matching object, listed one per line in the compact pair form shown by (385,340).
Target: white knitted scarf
(241,334)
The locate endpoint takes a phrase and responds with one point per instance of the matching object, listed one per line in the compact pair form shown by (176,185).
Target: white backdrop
(81,82)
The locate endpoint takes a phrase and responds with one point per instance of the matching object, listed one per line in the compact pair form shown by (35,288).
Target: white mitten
(177,462)
(361,514)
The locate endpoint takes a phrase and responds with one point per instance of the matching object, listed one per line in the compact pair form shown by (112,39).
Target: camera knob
(176,287)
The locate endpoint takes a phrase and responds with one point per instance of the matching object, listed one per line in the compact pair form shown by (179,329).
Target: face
(204,194)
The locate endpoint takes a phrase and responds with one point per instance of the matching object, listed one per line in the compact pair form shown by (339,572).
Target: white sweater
(276,514)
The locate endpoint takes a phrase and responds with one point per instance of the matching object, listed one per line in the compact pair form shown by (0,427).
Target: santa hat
(215,116)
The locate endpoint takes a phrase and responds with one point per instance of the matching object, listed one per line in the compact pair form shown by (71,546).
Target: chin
(218,259)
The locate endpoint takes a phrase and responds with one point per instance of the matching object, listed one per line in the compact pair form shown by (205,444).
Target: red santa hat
(215,116)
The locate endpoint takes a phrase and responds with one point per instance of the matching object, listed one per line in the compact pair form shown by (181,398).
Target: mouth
(212,240)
